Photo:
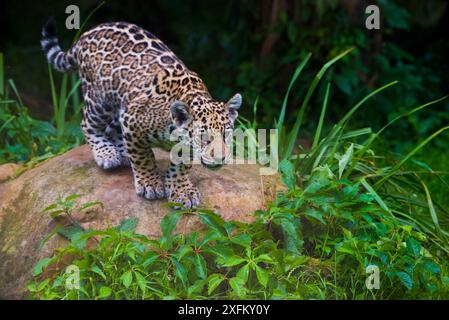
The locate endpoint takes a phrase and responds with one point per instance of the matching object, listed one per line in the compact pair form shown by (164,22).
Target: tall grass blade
(74,92)
(54,94)
(357,133)
(60,117)
(408,156)
(405,114)
(408,113)
(83,25)
(254,123)
(2,76)
(6,123)
(349,114)
(432,211)
(295,76)
(76,101)
(374,136)
(294,133)
(12,85)
(375,195)
(316,139)
(343,162)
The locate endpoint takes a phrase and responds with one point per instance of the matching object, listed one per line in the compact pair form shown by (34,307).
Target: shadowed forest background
(363,187)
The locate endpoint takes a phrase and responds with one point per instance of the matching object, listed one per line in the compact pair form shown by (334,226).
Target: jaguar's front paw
(150,188)
(187,196)
(107,158)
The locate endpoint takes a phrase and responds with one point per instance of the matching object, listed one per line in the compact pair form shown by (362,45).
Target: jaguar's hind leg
(115,135)
(96,118)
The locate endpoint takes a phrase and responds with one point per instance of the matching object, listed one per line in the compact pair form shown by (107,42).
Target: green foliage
(312,243)
(344,222)
(30,139)
(23,138)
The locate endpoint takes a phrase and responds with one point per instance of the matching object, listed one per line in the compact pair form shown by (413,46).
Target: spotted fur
(136,92)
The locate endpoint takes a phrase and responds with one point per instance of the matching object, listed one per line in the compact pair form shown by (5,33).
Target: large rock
(235,192)
(9,170)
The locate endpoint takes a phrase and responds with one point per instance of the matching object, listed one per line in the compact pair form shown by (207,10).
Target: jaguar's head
(206,127)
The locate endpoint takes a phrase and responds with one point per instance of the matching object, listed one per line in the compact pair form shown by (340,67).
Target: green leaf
(316,185)
(231,261)
(71,232)
(343,162)
(56,213)
(317,215)
(169,223)
(196,288)
(292,233)
(141,282)
(413,246)
(214,221)
(214,281)
(127,278)
(237,286)
(79,240)
(220,251)
(98,271)
(51,207)
(90,204)
(243,273)
(129,225)
(73,197)
(288,173)
(405,279)
(50,235)
(180,271)
(264,258)
(243,240)
(351,191)
(200,266)
(262,276)
(432,267)
(182,251)
(104,292)
(150,257)
(32,287)
(211,236)
(41,265)
(132,254)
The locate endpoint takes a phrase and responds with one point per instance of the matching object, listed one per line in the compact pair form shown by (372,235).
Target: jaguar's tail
(60,60)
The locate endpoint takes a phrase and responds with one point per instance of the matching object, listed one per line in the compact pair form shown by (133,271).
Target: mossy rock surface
(235,192)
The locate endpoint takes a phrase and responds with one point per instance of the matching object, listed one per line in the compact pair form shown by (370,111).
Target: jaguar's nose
(218,158)
(213,166)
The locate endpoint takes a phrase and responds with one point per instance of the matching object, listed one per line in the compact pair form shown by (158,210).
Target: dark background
(254,46)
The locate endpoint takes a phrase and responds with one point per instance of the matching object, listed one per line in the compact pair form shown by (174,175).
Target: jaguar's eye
(205,138)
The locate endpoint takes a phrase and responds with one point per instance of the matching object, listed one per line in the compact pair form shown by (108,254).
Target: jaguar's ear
(180,114)
(233,105)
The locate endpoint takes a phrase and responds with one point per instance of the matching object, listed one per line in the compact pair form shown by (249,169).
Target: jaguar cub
(136,93)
